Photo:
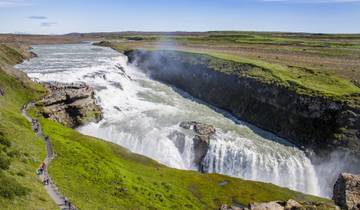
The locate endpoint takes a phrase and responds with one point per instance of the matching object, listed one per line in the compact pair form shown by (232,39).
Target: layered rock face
(311,121)
(347,191)
(70,104)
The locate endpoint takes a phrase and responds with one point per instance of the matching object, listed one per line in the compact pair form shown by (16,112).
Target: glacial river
(142,114)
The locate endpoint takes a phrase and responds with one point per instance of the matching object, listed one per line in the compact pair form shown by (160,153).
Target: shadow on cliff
(263,133)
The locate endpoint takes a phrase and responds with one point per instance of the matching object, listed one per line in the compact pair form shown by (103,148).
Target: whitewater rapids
(141,114)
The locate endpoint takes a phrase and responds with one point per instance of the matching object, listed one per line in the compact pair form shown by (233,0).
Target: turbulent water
(141,114)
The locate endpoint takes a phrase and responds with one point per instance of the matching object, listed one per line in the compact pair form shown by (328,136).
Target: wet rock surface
(70,104)
(201,140)
(179,140)
(347,191)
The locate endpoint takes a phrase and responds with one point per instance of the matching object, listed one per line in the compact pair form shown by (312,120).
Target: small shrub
(13,153)
(4,162)
(4,141)
(20,173)
(9,188)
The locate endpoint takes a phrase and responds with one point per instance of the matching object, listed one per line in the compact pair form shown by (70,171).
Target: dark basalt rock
(347,191)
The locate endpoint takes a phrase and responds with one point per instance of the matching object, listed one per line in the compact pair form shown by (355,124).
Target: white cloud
(48,24)
(14,3)
(35,17)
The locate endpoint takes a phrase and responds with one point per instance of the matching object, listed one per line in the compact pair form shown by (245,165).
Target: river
(142,114)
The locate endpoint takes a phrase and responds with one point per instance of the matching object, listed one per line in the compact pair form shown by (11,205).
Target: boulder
(70,104)
(272,205)
(228,207)
(347,191)
(293,205)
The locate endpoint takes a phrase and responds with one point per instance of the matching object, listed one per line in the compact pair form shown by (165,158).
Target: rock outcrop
(201,140)
(70,104)
(266,206)
(278,205)
(347,191)
(312,121)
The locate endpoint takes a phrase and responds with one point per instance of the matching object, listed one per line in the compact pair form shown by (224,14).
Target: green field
(95,174)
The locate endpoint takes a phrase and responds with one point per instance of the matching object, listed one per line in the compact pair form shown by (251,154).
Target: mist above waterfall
(143,115)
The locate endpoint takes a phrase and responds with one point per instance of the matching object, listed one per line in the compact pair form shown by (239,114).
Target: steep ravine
(313,122)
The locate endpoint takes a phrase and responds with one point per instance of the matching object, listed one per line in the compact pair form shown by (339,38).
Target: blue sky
(65,16)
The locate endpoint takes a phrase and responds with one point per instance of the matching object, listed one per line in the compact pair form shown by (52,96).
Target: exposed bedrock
(277,205)
(347,191)
(310,121)
(70,104)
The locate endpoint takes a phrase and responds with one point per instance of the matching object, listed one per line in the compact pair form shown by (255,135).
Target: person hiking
(43,165)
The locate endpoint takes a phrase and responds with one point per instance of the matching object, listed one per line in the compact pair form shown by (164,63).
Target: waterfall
(288,168)
(143,115)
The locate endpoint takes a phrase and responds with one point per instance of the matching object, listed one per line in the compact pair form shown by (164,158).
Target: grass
(336,54)
(96,174)
(19,187)
(306,80)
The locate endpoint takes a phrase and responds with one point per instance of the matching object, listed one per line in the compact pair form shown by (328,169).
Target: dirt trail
(51,188)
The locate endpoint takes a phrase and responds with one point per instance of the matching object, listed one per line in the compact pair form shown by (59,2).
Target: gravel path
(51,188)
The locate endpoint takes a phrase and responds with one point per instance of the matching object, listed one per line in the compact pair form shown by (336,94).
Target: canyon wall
(310,121)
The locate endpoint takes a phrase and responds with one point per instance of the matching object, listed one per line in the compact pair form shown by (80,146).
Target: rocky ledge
(278,205)
(347,191)
(70,104)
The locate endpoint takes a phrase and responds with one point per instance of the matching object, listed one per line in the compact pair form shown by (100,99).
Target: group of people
(40,171)
(68,204)
(35,125)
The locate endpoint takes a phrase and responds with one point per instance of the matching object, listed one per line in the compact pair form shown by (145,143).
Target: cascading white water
(143,115)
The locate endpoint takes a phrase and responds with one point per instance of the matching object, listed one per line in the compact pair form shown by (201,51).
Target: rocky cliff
(347,191)
(312,121)
(70,104)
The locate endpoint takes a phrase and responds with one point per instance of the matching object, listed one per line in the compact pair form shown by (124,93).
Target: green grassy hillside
(95,174)
(21,152)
